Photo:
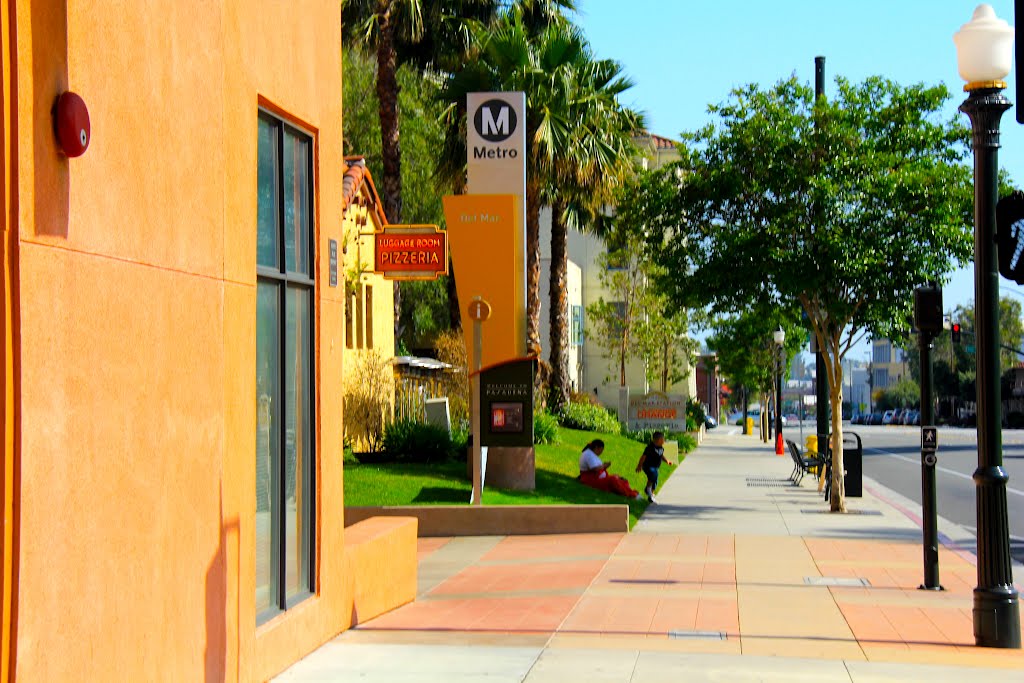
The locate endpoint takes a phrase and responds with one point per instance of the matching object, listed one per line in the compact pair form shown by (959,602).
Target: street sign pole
(929,446)
(479,311)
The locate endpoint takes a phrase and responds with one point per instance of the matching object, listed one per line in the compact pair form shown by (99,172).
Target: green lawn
(557,467)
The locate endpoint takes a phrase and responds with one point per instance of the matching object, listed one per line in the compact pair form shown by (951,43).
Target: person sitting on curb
(594,472)
(650,463)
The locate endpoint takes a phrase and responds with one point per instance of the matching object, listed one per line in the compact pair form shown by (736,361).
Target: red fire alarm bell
(71,121)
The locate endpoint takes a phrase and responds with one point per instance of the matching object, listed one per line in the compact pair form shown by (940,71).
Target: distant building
(888,363)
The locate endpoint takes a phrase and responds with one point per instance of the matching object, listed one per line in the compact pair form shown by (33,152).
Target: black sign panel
(929,439)
(1010,236)
(506,398)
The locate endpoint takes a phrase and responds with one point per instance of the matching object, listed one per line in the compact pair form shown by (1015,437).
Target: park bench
(802,463)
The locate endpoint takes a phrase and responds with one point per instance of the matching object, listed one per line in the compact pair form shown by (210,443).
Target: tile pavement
(715,583)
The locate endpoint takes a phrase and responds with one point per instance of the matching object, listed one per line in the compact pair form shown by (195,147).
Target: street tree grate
(697,635)
(836,581)
(768,483)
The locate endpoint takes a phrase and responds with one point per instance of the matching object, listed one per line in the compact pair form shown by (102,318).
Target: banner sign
(410,252)
(657,411)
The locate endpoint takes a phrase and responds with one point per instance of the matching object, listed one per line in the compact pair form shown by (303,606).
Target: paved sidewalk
(735,575)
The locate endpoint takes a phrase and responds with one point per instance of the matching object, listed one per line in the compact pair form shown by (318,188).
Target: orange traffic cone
(779,450)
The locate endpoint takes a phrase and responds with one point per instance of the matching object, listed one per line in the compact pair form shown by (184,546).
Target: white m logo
(495,120)
(492,126)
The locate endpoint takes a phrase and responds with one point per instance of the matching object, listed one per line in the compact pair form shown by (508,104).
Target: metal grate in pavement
(697,635)
(836,581)
(768,483)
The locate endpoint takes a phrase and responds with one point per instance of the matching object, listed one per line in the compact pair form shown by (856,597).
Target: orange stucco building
(172,436)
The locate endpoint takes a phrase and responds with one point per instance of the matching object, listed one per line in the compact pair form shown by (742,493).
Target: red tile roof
(357,175)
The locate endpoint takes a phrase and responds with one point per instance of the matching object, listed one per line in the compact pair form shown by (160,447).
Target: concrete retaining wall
(503,520)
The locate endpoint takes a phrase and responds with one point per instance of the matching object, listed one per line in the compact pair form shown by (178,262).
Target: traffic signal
(954,333)
(928,308)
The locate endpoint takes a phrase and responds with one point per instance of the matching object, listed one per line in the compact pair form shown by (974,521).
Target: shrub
(686,443)
(590,418)
(450,347)
(367,401)
(645,436)
(584,398)
(545,427)
(695,415)
(410,441)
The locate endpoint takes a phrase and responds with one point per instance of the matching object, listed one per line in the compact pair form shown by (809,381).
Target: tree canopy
(841,205)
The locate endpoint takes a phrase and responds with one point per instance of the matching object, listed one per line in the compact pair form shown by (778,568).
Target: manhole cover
(697,635)
(768,482)
(836,581)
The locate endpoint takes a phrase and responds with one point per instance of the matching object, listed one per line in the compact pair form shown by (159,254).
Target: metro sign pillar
(487,232)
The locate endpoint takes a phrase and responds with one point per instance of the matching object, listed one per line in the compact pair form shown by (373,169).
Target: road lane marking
(917,461)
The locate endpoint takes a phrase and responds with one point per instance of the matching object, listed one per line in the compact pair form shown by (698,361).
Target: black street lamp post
(780,338)
(984,52)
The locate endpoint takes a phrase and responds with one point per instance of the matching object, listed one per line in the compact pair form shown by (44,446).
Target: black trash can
(853,462)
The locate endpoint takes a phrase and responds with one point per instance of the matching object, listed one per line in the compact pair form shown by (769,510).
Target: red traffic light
(955,333)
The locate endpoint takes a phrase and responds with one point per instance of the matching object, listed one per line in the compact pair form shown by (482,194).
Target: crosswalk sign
(929,439)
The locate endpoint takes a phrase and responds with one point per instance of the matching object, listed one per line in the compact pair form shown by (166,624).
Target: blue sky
(685,54)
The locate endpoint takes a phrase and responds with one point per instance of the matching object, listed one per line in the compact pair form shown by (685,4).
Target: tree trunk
(664,369)
(834,372)
(454,312)
(533,344)
(559,314)
(746,408)
(390,145)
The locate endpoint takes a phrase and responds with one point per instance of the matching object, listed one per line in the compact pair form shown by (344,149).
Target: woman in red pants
(594,472)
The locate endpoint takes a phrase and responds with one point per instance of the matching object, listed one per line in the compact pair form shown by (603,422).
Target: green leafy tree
(904,394)
(747,352)
(617,323)
(668,349)
(843,206)
(954,365)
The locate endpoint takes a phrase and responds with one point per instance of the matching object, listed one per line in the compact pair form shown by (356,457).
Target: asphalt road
(892,457)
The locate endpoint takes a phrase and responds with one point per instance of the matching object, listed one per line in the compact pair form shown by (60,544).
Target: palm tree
(589,169)
(510,58)
(430,34)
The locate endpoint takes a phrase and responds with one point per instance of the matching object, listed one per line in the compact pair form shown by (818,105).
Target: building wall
(574,298)
(370,314)
(888,362)
(132,336)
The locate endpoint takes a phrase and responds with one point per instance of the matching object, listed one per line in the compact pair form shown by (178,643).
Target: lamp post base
(996,617)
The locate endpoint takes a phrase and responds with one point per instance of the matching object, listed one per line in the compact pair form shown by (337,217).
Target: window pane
(268,439)
(267,252)
(298,455)
(296,184)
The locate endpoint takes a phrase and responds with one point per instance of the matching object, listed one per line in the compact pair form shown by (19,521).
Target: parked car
(876,418)
(887,417)
(710,422)
(915,417)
